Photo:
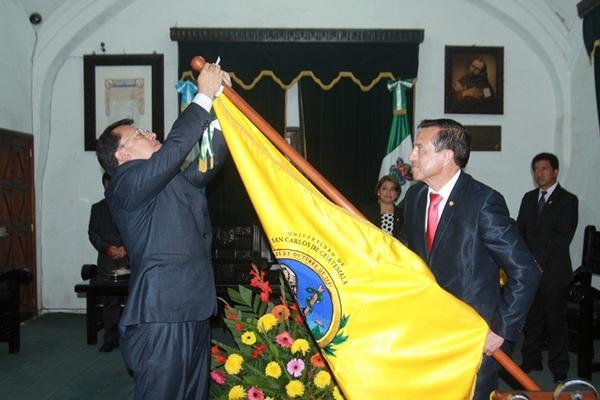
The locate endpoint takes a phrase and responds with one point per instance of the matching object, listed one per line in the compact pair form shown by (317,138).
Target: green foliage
(241,318)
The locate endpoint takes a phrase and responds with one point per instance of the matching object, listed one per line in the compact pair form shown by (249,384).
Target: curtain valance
(287,55)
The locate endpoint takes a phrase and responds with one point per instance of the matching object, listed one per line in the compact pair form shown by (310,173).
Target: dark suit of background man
(112,255)
(163,218)
(548,219)
(475,236)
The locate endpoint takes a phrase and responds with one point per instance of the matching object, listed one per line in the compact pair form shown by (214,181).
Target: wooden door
(17,212)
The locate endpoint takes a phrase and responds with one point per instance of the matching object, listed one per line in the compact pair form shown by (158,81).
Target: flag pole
(333,194)
(304,166)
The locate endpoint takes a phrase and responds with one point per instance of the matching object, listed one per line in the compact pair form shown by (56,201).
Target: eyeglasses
(138,131)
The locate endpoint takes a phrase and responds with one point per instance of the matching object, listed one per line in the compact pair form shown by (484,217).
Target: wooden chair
(584,305)
(10,321)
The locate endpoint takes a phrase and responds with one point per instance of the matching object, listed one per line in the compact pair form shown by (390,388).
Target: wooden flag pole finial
(198,63)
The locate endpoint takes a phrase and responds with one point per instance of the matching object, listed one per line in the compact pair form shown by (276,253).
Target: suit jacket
(549,236)
(103,233)
(474,238)
(373,214)
(163,218)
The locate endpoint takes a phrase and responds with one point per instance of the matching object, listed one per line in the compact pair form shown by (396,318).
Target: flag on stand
(387,330)
(395,162)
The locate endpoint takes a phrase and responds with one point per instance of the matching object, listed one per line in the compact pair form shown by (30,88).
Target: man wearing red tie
(463,231)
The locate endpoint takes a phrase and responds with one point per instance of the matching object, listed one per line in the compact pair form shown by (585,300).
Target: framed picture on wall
(474,79)
(485,137)
(122,86)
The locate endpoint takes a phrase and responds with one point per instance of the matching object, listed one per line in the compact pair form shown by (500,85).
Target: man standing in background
(105,238)
(547,220)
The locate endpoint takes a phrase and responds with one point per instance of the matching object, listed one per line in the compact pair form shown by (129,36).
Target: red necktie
(432,218)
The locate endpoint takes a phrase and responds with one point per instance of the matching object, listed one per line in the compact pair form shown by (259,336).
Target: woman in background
(385,214)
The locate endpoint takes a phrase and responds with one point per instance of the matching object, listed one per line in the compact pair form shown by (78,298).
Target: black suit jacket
(549,236)
(373,214)
(163,218)
(474,238)
(103,233)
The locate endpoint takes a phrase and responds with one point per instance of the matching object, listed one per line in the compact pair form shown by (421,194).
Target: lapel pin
(451,203)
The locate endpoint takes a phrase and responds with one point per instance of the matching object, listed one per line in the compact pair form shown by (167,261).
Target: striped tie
(541,202)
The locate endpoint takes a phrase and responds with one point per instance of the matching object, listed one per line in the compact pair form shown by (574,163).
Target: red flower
(317,360)
(264,296)
(258,281)
(230,313)
(239,326)
(258,350)
(295,308)
(219,359)
(281,312)
(299,319)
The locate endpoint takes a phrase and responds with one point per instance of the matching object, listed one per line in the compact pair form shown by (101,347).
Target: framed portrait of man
(474,80)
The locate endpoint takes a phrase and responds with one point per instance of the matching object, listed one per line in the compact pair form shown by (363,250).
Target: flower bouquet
(274,356)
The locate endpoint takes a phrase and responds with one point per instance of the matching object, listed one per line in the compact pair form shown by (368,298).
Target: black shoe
(560,378)
(108,347)
(528,367)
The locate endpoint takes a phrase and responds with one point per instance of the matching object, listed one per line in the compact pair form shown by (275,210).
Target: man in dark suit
(463,231)
(548,220)
(105,238)
(163,218)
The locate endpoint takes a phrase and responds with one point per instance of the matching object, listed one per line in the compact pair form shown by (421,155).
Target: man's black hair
(452,136)
(107,144)
(551,158)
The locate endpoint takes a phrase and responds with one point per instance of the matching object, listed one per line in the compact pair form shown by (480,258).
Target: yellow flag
(387,330)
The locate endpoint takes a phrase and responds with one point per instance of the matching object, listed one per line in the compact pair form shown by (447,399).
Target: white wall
(549,99)
(16,50)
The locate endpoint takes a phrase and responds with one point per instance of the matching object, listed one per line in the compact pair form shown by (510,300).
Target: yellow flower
(295,388)
(266,322)
(336,393)
(233,365)
(300,345)
(273,370)
(269,398)
(322,379)
(237,393)
(249,338)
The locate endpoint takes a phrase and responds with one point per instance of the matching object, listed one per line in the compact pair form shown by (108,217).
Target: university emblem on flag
(315,289)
